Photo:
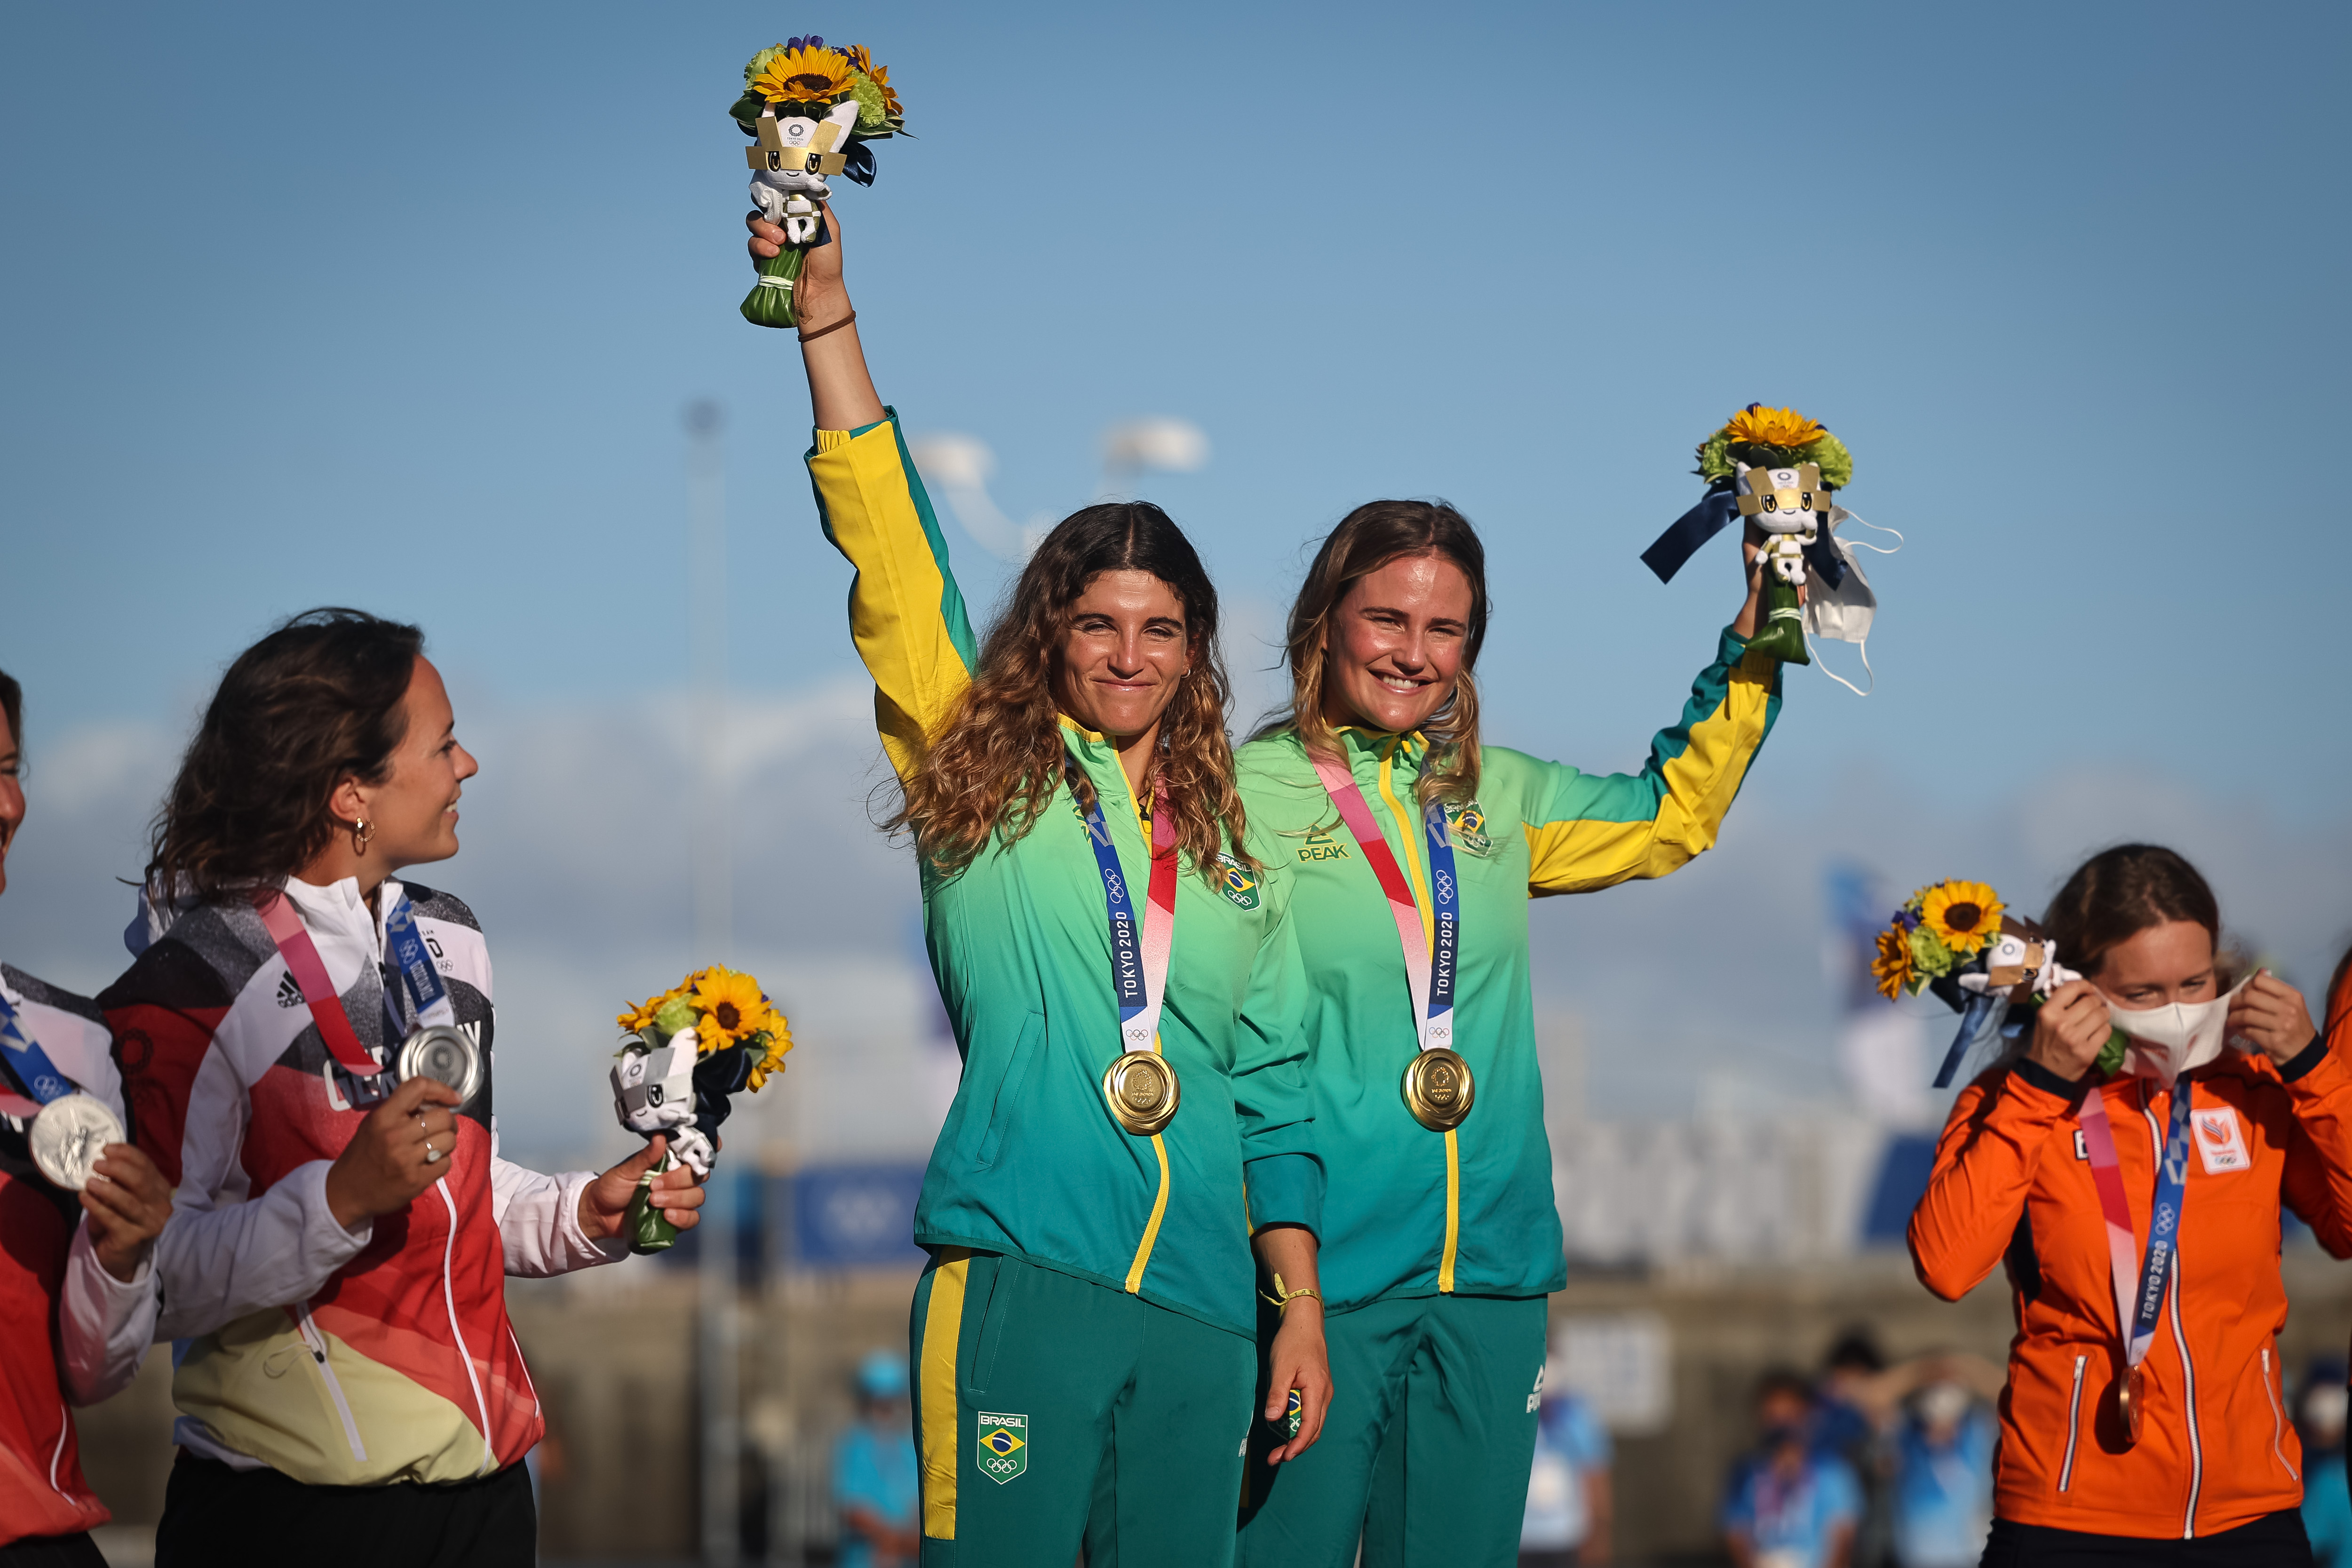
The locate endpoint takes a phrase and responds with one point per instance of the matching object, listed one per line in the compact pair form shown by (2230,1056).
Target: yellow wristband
(1282,1298)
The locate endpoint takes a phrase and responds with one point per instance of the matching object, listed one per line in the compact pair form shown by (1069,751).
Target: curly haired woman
(1085,1336)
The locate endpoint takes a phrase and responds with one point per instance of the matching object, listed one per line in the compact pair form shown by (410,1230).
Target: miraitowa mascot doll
(1780,470)
(810,112)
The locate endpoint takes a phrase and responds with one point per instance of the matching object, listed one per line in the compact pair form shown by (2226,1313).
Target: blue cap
(882,1376)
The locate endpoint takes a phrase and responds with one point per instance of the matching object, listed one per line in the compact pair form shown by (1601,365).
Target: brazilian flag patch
(1239,884)
(1003,1445)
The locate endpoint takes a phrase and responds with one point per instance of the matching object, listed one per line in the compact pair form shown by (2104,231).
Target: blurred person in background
(2145,1418)
(1941,1488)
(1415,847)
(1091,1275)
(349,1386)
(1854,1414)
(76,1276)
(1571,1507)
(2319,1415)
(877,1490)
(1789,1503)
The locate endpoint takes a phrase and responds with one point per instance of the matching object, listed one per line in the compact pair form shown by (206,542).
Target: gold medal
(1140,1089)
(1438,1089)
(2131,1402)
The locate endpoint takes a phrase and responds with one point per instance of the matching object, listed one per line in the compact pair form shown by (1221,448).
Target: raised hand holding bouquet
(1777,470)
(810,112)
(687,1049)
(1955,937)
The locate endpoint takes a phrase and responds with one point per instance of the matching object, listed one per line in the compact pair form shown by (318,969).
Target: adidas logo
(288,993)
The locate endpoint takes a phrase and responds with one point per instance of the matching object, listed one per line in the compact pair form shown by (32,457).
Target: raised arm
(1594,830)
(906,614)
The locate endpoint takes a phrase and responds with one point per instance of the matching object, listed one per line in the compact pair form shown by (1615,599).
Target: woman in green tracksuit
(1123,981)
(1413,851)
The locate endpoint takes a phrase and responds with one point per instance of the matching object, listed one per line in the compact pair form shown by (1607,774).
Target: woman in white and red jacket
(76,1288)
(348,1383)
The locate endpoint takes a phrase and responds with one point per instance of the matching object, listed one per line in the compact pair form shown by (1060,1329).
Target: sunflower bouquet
(1955,937)
(811,110)
(1781,470)
(683,1053)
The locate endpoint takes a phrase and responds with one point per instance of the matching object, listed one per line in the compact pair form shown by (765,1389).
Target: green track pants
(1426,1455)
(1051,1411)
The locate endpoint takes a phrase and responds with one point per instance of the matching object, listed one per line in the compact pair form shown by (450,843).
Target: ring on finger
(430,1154)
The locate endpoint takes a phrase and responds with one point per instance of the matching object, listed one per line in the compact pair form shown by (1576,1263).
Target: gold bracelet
(1282,1298)
(833,327)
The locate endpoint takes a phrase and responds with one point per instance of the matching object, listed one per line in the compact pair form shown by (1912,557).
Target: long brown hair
(992,767)
(2118,893)
(320,700)
(1368,538)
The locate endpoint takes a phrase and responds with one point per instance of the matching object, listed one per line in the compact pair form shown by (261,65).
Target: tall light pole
(714,932)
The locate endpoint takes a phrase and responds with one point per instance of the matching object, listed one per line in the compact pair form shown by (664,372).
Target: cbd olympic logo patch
(1003,1448)
(1237,884)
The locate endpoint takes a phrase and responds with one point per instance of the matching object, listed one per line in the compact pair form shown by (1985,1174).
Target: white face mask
(2166,1041)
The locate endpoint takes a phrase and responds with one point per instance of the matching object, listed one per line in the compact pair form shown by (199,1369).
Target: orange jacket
(2012,1183)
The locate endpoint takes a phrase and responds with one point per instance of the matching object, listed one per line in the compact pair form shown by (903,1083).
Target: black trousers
(214,1517)
(76,1550)
(2274,1541)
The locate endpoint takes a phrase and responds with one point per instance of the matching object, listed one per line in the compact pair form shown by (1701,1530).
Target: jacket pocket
(2073,1422)
(1006,1108)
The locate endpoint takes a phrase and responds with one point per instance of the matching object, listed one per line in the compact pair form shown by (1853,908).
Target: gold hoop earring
(362,831)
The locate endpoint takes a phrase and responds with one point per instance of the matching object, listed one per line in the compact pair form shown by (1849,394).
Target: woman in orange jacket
(2143,1420)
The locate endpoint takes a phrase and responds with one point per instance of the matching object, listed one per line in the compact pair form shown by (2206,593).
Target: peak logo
(1322,845)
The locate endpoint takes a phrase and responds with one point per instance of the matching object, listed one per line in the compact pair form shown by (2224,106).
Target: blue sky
(400,307)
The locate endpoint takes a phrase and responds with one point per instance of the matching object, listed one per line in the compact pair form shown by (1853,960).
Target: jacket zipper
(449,1295)
(2278,1419)
(2179,1336)
(2074,1424)
(317,1342)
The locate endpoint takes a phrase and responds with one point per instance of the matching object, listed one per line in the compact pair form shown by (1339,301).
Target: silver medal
(445,1055)
(69,1134)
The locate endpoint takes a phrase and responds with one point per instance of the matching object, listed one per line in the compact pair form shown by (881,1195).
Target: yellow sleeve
(906,614)
(1587,830)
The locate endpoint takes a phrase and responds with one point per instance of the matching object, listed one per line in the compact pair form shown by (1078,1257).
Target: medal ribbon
(1139,960)
(30,1066)
(2136,1319)
(309,972)
(418,971)
(1429,976)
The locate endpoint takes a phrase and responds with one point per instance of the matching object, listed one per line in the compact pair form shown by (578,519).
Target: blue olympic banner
(852,1217)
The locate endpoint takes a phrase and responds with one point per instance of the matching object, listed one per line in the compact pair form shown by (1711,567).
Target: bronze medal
(1141,1090)
(2131,1402)
(1438,1089)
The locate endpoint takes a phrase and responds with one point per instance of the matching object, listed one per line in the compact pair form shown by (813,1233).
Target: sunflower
(803,76)
(639,1018)
(1892,967)
(780,1040)
(730,1008)
(1963,915)
(1772,427)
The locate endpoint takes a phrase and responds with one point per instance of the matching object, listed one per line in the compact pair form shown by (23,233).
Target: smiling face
(2158,966)
(1124,653)
(414,810)
(1393,646)
(12,795)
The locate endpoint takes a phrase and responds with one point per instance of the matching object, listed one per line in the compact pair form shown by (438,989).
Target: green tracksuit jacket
(1413,1212)
(1030,1161)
